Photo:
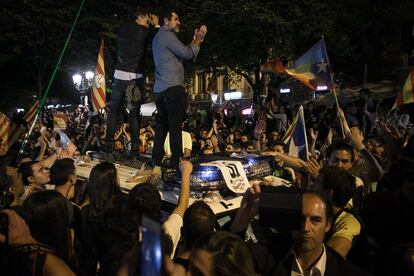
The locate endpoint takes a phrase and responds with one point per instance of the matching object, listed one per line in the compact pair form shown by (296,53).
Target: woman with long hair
(46,213)
(104,191)
(100,218)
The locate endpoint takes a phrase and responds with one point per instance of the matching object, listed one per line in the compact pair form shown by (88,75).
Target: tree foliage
(242,34)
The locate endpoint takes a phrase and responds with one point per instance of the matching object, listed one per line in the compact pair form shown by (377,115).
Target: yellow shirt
(346,226)
(187,143)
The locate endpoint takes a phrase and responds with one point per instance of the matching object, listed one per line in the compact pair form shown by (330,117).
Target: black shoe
(103,155)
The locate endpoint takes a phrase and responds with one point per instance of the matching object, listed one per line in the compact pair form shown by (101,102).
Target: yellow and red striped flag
(31,113)
(9,131)
(5,127)
(98,88)
(406,96)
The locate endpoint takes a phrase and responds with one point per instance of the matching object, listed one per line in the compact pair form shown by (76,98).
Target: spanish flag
(98,88)
(312,68)
(406,96)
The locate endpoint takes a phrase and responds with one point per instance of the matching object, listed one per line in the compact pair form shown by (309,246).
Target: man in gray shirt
(169,54)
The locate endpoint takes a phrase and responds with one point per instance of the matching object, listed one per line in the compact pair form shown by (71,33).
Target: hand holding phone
(151,253)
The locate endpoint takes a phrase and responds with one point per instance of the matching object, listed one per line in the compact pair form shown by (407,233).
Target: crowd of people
(356,193)
(355,190)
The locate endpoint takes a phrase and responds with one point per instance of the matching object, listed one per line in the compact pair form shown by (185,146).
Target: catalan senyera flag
(9,131)
(312,68)
(406,96)
(5,127)
(98,88)
(296,138)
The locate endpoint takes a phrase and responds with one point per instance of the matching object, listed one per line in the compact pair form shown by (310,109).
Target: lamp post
(83,81)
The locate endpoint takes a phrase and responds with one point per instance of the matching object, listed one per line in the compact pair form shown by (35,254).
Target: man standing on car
(133,38)
(169,54)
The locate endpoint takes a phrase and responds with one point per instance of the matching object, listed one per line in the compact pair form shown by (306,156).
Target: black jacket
(271,258)
(132,44)
(335,266)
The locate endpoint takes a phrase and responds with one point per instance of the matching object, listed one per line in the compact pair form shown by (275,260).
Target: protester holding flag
(133,38)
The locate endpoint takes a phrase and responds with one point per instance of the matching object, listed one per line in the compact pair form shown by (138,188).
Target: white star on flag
(322,66)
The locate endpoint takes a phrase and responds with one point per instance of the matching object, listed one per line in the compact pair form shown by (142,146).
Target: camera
(280,208)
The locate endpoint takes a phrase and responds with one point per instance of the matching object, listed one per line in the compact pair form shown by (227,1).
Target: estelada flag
(98,88)
(312,68)
(406,96)
(296,138)
(9,131)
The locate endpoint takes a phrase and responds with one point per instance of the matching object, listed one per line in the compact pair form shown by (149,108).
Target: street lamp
(82,82)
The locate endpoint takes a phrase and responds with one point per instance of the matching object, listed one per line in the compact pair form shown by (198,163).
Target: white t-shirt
(187,143)
(172,227)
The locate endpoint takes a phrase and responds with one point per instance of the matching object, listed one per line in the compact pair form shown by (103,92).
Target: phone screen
(151,255)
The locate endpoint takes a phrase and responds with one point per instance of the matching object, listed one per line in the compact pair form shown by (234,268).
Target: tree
(242,34)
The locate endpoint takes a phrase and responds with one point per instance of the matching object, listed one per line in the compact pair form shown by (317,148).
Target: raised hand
(71,149)
(154,19)
(356,138)
(186,167)
(200,33)
(313,167)
(313,134)
(329,137)
(249,208)
(250,201)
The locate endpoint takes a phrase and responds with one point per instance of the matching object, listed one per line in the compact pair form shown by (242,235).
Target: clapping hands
(200,33)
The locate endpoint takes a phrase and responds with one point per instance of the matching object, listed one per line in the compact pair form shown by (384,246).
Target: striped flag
(98,88)
(406,96)
(31,113)
(9,131)
(5,125)
(296,137)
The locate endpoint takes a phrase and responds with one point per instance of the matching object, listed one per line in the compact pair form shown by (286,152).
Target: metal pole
(333,89)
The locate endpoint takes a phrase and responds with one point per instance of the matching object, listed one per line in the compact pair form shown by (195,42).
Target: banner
(233,174)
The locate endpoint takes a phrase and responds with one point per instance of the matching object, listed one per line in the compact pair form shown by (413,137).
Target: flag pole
(333,89)
(50,82)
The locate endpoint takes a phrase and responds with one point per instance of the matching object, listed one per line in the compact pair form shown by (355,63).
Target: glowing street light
(89,75)
(82,82)
(77,80)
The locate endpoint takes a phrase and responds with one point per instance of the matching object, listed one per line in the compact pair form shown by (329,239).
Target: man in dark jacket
(133,38)
(298,252)
(309,255)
